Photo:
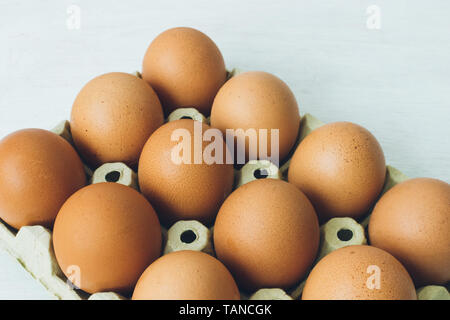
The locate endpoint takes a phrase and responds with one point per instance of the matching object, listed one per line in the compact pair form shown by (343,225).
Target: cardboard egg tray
(32,246)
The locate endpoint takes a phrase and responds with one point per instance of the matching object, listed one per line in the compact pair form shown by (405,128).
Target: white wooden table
(391,75)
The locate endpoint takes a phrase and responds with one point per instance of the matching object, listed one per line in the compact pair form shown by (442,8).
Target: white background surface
(395,80)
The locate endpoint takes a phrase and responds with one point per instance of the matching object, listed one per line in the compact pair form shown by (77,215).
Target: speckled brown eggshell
(38,171)
(186,275)
(185,68)
(182,191)
(412,222)
(346,274)
(112,118)
(258,100)
(267,234)
(341,169)
(105,236)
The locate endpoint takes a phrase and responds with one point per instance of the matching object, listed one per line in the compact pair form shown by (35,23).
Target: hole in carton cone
(260,173)
(113,176)
(188,236)
(186,117)
(345,234)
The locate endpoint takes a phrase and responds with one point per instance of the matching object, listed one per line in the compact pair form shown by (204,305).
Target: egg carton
(32,246)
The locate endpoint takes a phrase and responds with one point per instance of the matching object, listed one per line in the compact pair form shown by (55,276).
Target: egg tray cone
(32,247)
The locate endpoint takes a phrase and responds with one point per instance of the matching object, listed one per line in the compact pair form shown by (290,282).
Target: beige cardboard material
(116,172)
(106,296)
(190,113)
(248,171)
(270,294)
(62,129)
(433,293)
(334,232)
(189,235)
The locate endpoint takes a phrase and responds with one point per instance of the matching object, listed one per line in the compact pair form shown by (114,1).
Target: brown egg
(105,235)
(39,170)
(359,273)
(412,222)
(185,68)
(112,118)
(267,234)
(258,100)
(186,190)
(186,275)
(341,169)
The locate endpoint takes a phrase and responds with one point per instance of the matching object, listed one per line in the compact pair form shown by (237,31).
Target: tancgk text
(258,309)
